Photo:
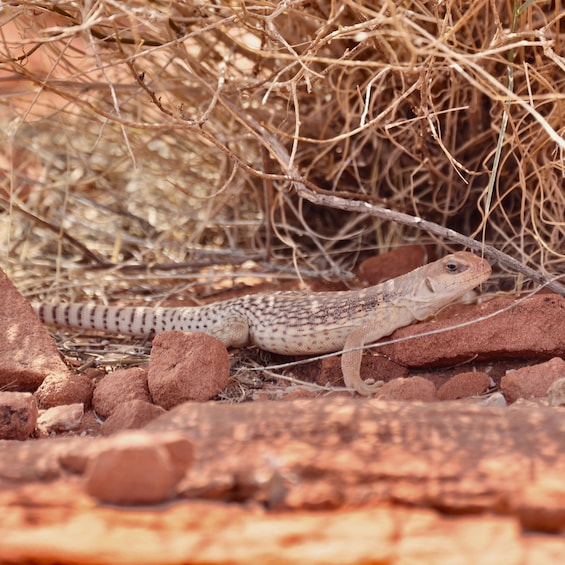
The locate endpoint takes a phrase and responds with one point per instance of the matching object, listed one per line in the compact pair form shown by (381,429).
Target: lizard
(297,322)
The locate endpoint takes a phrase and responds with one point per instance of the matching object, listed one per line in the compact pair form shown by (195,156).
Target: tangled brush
(160,134)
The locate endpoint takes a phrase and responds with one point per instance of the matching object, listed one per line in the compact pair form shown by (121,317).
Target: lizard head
(444,281)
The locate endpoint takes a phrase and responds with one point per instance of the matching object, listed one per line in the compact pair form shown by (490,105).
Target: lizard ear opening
(429,284)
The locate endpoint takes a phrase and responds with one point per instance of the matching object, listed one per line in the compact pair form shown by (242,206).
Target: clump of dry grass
(154,134)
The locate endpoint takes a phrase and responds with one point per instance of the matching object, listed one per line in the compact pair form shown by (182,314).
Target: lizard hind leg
(233,331)
(351,362)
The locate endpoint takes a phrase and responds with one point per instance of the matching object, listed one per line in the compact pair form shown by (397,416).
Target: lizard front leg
(351,360)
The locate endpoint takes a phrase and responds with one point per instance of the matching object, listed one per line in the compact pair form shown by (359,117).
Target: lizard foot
(361,387)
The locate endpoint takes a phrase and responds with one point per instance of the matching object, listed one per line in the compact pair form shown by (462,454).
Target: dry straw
(139,136)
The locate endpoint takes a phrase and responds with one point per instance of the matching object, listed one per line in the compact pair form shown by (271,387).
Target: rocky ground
(459,459)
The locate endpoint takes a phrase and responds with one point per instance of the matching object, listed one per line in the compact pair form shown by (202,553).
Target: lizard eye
(452,266)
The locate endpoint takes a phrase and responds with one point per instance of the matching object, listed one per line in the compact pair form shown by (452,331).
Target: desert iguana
(298,322)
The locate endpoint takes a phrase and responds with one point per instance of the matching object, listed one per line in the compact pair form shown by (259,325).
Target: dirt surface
(459,459)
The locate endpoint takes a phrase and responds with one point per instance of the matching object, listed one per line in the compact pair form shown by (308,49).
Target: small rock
(138,468)
(120,386)
(187,367)
(57,390)
(412,388)
(464,385)
(131,415)
(27,351)
(64,418)
(533,381)
(95,374)
(18,415)
(395,263)
(556,393)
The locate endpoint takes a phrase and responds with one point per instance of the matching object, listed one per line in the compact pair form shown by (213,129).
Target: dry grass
(139,136)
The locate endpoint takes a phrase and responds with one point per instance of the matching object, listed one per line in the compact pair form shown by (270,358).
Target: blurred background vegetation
(155,145)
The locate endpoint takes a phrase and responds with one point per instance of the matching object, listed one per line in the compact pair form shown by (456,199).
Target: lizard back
(281,322)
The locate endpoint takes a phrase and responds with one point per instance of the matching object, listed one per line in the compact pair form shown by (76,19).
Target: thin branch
(431,227)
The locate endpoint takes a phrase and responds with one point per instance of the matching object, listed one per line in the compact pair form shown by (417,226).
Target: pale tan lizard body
(297,322)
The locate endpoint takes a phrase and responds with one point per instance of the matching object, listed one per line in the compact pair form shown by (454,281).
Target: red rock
(27,352)
(533,381)
(412,388)
(131,415)
(136,475)
(95,374)
(64,418)
(18,415)
(404,458)
(67,389)
(464,385)
(532,328)
(395,263)
(120,386)
(185,367)
(137,468)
